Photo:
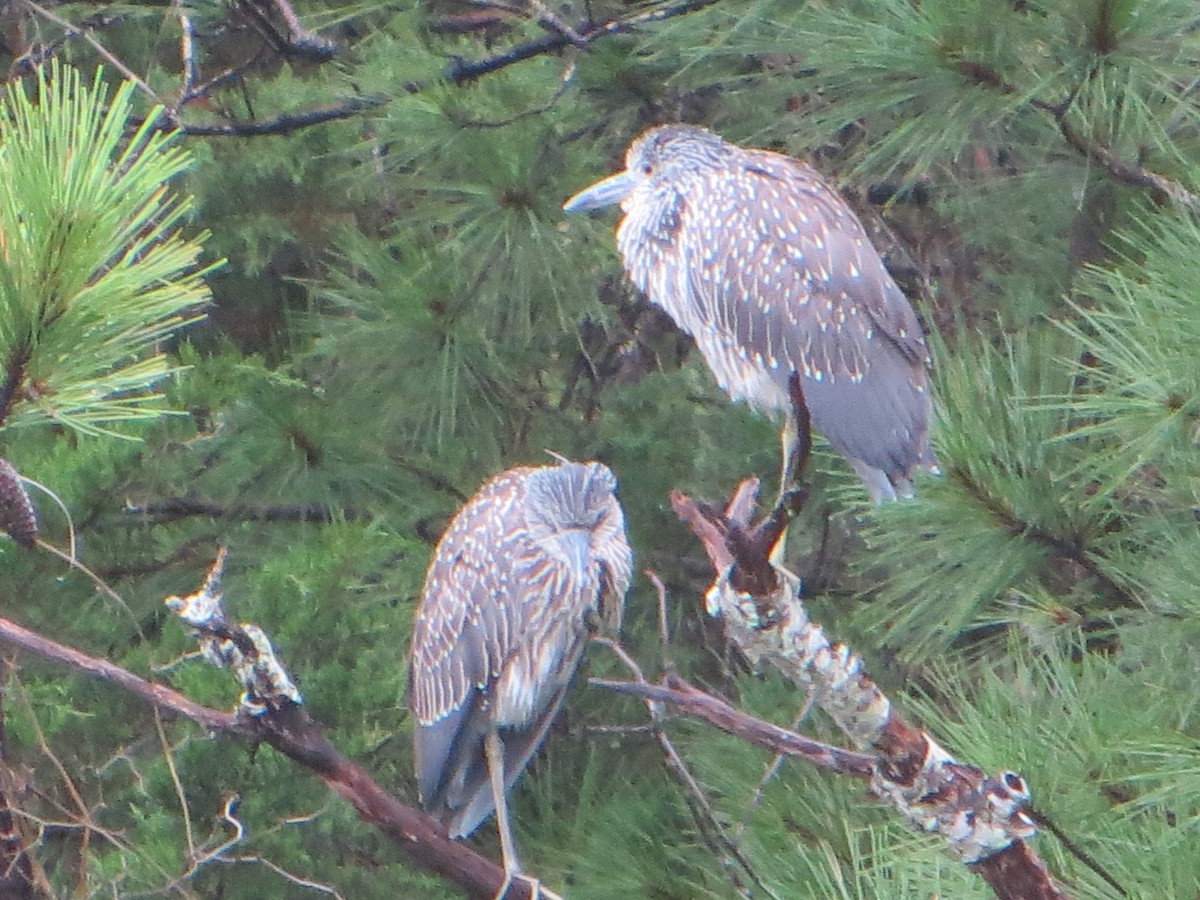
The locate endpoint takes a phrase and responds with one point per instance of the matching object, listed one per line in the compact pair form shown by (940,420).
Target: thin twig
(180,793)
(285,874)
(703,813)
(714,711)
(772,770)
(100,584)
(86,34)
(564,83)
(664,629)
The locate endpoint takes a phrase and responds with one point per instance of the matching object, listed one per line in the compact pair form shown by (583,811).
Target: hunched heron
(765,265)
(527,570)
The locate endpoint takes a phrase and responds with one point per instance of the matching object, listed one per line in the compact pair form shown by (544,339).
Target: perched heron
(771,272)
(533,564)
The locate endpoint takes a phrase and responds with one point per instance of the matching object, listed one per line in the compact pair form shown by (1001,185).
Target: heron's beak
(611,190)
(577,547)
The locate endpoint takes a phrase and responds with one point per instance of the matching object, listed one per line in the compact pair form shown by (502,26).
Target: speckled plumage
(520,578)
(771,272)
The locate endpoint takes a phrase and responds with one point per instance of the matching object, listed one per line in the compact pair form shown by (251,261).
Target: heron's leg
(494,750)
(789,438)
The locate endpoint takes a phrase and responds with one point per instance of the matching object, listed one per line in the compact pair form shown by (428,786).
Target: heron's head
(571,496)
(664,158)
(574,514)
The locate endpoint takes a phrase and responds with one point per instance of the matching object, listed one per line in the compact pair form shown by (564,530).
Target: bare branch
(170,509)
(1161,188)
(703,814)
(459,72)
(75,31)
(697,704)
(160,696)
(983,819)
(294,734)
(286,123)
(464,71)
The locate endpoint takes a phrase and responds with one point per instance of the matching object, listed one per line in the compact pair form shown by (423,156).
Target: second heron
(772,273)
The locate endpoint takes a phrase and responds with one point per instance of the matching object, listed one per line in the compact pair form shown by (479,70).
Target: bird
(768,268)
(527,571)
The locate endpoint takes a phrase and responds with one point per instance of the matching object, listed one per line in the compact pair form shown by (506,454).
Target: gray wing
(471,801)
(466,625)
(799,287)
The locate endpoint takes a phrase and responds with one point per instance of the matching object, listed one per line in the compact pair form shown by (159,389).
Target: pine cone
(16,509)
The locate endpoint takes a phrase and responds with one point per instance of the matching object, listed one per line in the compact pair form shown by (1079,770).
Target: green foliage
(90,251)
(406,311)
(1141,387)
(996,526)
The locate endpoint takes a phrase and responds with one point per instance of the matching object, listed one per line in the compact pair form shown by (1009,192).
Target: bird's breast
(535,673)
(745,376)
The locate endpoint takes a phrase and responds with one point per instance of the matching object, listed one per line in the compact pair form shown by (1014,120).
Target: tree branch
(1161,188)
(287,122)
(459,72)
(170,509)
(291,731)
(981,818)
(463,71)
(158,695)
(698,704)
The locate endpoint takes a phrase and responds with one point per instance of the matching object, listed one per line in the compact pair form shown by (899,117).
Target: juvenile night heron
(533,564)
(771,272)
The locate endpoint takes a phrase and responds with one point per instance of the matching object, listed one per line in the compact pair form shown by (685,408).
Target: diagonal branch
(158,695)
(698,704)
(75,31)
(293,733)
(982,819)
(1161,188)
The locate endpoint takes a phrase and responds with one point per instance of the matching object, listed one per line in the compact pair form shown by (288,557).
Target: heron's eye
(647,169)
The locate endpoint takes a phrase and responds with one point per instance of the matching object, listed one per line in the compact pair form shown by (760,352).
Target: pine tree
(404,312)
